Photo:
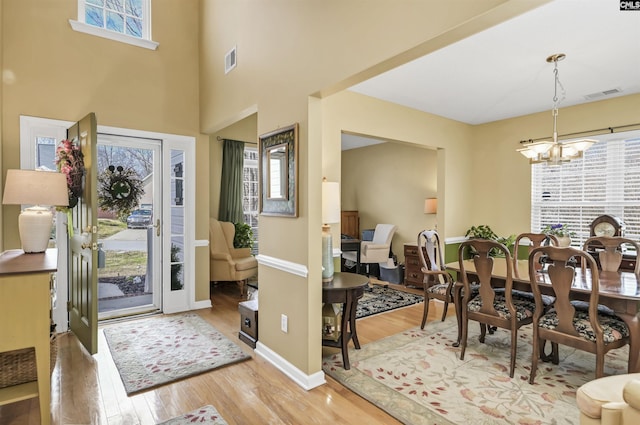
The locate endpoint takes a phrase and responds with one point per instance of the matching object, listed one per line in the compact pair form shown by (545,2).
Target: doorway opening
(129,245)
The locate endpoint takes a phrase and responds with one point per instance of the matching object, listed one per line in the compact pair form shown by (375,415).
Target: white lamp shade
(30,187)
(330,202)
(431,206)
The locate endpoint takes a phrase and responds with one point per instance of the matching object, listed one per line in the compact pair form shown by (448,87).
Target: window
(128,21)
(605,181)
(250,192)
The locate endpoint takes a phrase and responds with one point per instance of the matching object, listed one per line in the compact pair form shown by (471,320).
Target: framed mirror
(278,152)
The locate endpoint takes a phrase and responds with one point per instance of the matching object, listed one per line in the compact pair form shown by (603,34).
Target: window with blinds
(605,181)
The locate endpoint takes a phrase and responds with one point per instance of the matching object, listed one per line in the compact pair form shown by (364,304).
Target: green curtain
(231,182)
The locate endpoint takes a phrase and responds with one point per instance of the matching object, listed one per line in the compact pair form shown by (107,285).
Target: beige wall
(388,183)
(63,74)
(505,203)
(289,54)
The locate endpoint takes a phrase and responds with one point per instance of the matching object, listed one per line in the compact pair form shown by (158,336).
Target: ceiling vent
(604,93)
(230,60)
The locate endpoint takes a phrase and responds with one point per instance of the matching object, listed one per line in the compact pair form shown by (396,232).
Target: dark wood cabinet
(413,275)
(248,322)
(350,224)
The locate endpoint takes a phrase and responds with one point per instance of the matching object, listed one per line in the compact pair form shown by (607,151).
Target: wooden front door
(83,242)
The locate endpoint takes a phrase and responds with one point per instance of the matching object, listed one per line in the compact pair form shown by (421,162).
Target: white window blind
(605,181)
(250,192)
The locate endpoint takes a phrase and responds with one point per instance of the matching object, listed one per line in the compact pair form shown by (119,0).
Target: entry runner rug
(418,377)
(382,299)
(157,350)
(206,415)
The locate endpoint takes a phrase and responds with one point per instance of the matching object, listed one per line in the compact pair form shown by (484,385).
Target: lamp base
(34,225)
(327,255)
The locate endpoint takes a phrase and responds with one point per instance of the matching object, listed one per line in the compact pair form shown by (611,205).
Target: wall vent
(603,94)
(230,60)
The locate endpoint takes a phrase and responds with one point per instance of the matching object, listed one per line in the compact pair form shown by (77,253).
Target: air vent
(602,94)
(230,60)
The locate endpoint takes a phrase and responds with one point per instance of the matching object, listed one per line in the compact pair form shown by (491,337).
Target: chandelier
(552,151)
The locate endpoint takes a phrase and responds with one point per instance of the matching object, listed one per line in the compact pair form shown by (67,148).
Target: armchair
(612,400)
(376,250)
(229,264)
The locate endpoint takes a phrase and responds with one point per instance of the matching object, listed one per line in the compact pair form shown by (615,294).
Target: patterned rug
(154,351)
(418,377)
(206,415)
(382,299)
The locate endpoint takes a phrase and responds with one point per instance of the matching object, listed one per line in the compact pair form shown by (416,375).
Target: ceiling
(502,72)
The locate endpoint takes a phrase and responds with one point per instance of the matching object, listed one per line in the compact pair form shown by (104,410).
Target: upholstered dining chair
(588,330)
(376,250)
(437,283)
(533,240)
(610,251)
(492,306)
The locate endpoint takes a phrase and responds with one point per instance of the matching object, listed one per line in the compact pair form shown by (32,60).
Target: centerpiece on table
(560,231)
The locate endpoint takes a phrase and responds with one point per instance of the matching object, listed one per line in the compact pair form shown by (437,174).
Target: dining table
(619,290)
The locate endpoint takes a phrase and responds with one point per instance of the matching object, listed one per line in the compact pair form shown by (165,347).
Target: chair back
(534,240)
(610,251)
(219,235)
(384,233)
(430,250)
(484,265)
(560,273)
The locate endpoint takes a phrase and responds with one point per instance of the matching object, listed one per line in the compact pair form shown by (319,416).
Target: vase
(564,241)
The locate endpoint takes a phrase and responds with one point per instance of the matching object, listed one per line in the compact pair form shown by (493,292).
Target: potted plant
(561,231)
(243,237)
(485,232)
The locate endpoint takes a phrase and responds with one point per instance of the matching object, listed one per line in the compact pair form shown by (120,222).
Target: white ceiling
(502,72)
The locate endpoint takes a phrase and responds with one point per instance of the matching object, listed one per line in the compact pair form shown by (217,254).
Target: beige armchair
(376,250)
(229,264)
(613,400)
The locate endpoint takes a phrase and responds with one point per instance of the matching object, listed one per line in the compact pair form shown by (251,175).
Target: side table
(25,304)
(345,289)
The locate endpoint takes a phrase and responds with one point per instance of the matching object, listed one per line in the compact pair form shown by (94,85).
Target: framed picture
(278,151)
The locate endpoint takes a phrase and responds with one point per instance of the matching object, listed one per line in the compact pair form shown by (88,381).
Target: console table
(25,304)
(345,289)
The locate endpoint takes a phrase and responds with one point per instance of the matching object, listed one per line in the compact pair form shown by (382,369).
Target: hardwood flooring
(88,390)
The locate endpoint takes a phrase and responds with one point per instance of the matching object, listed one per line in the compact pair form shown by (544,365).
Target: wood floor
(88,390)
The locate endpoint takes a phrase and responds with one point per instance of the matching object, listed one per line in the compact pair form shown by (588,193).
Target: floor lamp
(330,214)
(40,190)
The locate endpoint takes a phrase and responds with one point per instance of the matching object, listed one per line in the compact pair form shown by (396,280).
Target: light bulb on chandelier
(554,152)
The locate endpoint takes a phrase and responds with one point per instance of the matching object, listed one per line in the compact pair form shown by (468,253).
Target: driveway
(126,240)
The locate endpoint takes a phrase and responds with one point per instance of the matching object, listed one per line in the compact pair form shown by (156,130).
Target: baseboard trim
(307,382)
(197,305)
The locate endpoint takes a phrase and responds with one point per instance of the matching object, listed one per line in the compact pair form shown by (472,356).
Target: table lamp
(330,214)
(38,189)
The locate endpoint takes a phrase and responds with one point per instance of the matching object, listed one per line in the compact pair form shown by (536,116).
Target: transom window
(128,21)
(124,16)
(605,181)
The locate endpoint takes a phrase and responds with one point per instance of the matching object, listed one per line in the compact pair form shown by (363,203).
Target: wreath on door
(119,190)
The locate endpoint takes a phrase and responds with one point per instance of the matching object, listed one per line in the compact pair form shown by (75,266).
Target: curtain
(231,182)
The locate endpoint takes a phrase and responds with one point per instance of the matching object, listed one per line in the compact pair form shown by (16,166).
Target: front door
(83,242)
(129,242)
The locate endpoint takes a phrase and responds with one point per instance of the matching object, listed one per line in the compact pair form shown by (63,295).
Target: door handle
(157,226)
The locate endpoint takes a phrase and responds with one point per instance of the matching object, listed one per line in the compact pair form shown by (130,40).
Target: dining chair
(588,330)
(533,240)
(493,306)
(609,251)
(437,282)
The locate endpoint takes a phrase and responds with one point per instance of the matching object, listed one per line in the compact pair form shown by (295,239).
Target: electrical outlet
(284,323)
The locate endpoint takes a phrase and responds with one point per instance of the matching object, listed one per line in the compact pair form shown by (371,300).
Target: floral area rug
(157,350)
(206,415)
(382,299)
(418,377)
